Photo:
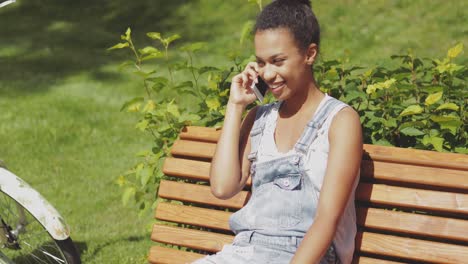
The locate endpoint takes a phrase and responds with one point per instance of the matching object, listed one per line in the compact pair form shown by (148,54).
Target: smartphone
(260,89)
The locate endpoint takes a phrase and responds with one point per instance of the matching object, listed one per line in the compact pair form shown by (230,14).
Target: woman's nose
(268,74)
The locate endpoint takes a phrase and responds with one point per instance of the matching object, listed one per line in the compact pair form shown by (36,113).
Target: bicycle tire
(33,243)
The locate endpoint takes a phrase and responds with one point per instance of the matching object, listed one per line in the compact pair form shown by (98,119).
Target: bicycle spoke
(36,245)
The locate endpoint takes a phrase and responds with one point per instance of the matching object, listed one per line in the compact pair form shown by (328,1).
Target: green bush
(419,104)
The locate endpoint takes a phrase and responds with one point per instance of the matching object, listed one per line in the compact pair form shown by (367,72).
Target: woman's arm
(344,159)
(230,167)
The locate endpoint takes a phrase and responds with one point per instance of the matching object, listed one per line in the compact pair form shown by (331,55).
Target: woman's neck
(304,101)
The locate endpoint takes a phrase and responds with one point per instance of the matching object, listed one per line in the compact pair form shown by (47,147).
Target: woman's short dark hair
(295,15)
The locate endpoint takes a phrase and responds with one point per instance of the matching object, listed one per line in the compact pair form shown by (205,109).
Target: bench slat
(413,198)
(377,244)
(455,179)
(413,249)
(190,169)
(196,133)
(425,158)
(368,260)
(199,194)
(196,239)
(403,173)
(382,153)
(414,224)
(195,149)
(382,170)
(162,255)
(379,219)
(193,215)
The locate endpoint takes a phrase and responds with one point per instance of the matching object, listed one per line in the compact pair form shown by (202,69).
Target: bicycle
(31,229)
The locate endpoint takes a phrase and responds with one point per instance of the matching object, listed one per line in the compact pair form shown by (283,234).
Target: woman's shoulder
(345,122)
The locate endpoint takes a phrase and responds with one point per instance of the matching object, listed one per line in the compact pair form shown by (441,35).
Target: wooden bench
(412,205)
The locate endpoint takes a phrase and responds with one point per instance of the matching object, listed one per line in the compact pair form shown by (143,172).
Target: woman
(302,152)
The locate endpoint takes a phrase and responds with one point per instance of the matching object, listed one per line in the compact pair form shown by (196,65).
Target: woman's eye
(260,63)
(278,61)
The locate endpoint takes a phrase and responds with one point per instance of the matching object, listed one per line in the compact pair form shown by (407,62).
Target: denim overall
(271,226)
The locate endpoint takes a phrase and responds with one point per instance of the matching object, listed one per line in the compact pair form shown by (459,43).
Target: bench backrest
(412,205)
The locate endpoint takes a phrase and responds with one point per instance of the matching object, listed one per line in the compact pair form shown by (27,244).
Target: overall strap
(312,128)
(258,127)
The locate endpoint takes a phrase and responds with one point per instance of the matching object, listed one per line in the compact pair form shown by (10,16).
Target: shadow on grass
(83,247)
(43,42)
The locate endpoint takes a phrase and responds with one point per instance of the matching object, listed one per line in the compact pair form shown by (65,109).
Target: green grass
(60,91)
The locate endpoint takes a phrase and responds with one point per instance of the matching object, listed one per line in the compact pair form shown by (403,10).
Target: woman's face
(281,63)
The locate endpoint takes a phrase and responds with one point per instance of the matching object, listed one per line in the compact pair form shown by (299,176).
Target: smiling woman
(302,152)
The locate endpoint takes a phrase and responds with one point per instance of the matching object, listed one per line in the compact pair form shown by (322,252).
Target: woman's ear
(311,53)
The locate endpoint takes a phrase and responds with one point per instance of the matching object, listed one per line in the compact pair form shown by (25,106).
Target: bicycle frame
(33,201)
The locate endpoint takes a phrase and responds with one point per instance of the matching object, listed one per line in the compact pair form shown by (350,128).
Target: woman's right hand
(241,93)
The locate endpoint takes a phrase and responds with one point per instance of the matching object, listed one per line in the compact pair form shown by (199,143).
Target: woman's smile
(276,88)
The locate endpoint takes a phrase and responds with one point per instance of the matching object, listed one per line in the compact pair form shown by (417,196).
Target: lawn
(60,91)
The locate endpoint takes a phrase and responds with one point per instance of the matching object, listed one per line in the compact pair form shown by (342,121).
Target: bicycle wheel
(25,240)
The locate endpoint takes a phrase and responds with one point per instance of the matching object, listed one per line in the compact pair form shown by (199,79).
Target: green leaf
(172,38)
(138,169)
(128,193)
(152,56)
(193,46)
(433,98)
(444,118)
(391,122)
(125,64)
(133,102)
(461,150)
(154,35)
(144,74)
(142,153)
(121,181)
(185,84)
(452,126)
(149,50)
(142,125)
(206,69)
(127,34)
(437,142)
(455,51)
(213,103)
(434,89)
(412,110)
(450,122)
(150,106)
(450,106)
(353,94)
(246,31)
(189,118)
(164,127)
(146,174)
(419,124)
(411,131)
(382,142)
(119,46)
(159,82)
(173,109)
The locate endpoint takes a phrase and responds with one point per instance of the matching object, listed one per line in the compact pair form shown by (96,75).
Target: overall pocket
(279,203)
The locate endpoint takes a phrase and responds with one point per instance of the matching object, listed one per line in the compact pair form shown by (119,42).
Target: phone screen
(260,89)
